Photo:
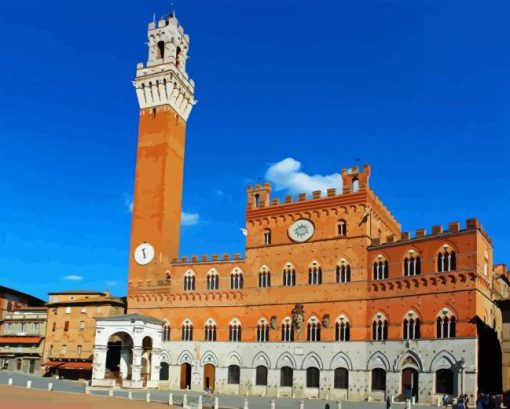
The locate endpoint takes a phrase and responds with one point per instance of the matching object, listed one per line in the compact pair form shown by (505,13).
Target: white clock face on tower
(301,230)
(144,254)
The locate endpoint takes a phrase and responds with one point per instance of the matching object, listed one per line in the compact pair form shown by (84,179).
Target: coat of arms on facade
(298,317)
(273,322)
(325,321)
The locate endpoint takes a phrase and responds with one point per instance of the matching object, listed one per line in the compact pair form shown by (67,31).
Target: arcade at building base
(400,368)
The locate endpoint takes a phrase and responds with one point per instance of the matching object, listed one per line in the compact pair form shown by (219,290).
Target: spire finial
(172,9)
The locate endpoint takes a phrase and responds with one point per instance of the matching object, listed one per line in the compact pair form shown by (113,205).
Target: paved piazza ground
(69,394)
(18,398)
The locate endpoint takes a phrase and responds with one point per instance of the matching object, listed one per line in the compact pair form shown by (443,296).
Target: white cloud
(111,283)
(73,277)
(128,203)
(189,219)
(287,175)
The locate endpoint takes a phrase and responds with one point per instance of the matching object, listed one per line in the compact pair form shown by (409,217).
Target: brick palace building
(331,299)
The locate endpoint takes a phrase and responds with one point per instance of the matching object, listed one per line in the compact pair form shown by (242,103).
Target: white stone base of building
(360,358)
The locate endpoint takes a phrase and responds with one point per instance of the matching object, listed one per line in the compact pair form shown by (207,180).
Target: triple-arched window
(189,281)
(446,260)
(236,279)
(412,264)
(446,324)
(287,330)
(264,277)
(314,330)
(343,272)
(212,280)
(411,326)
(289,275)
(381,268)
(262,330)
(234,331)
(343,329)
(210,330)
(314,274)
(380,328)
(187,331)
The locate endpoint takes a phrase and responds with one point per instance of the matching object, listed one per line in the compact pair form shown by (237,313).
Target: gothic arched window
(166,332)
(446,260)
(287,330)
(446,324)
(212,280)
(379,328)
(210,331)
(411,326)
(314,330)
(343,272)
(343,329)
(289,276)
(236,279)
(187,331)
(380,268)
(189,281)
(314,274)
(234,331)
(262,331)
(412,264)
(264,277)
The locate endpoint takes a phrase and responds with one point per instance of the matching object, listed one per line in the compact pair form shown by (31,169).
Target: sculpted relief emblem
(325,321)
(298,317)
(274,322)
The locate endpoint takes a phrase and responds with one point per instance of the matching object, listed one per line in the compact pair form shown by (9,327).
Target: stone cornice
(165,85)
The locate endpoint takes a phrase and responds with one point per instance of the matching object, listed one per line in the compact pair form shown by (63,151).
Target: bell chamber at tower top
(164,80)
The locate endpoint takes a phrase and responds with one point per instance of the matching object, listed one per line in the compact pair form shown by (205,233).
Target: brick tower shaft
(166,96)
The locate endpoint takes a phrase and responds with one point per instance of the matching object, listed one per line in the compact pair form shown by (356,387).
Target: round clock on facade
(144,254)
(301,230)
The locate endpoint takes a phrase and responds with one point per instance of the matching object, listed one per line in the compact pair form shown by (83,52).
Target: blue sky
(420,91)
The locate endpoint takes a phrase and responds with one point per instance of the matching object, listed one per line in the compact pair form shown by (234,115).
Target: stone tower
(166,96)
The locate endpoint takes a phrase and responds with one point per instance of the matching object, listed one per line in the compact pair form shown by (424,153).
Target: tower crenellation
(164,79)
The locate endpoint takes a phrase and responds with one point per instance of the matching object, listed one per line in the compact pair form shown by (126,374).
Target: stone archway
(129,346)
(147,359)
(119,356)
